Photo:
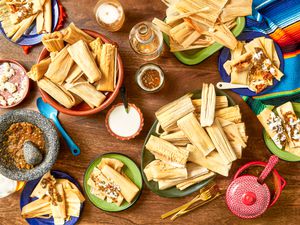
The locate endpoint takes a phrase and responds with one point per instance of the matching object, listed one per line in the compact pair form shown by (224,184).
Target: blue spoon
(49,112)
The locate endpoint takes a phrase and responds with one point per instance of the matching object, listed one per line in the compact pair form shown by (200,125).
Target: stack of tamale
(78,69)
(200,137)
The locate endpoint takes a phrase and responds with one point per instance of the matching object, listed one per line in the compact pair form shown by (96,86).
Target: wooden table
(92,137)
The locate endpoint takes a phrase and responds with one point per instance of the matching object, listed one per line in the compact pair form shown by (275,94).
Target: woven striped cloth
(280,19)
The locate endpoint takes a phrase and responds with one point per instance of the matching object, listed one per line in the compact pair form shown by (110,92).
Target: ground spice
(151,79)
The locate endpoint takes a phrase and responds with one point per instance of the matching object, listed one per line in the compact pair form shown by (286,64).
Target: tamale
(236,8)
(59,93)
(221,142)
(60,67)
(293,150)
(212,162)
(58,204)
(208,105)
(40,192)
(242,130)
(73,34)
(24,25)
(237,148)
(108,68)
(221,102)
(81,54)
(96,47)
(74,74)
(165,28)
(37,208)
(47,16)
(195,133)
(170,113)
(73,203)
(231,113)
(113,163)
(177,136)
(53,42)
(233,134)
(224,36)
(39,22)
(167,152)
(38,70)
(184,185)
(128,189)
(87,92)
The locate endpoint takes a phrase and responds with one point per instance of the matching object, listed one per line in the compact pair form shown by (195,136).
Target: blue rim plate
(28,189)
(31,37)
(225,55)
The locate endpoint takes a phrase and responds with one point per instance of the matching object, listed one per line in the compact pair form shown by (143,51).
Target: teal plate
(147,157)
(195,56)
(132,172)
(287,156)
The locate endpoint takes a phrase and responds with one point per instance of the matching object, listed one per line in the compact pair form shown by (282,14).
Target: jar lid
(123,125)
(247,198)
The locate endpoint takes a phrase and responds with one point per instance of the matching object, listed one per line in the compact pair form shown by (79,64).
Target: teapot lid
(247,198)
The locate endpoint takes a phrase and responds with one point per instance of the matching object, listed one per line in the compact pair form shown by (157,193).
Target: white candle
(108,13)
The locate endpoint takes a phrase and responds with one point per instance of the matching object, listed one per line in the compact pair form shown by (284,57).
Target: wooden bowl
(83,109)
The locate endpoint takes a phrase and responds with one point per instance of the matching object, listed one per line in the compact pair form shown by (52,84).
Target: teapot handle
(273,160)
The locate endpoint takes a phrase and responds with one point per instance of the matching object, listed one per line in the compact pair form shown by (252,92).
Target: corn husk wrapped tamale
(189,182)
(87,92)
(53,42)
(231,113)
(75,73)
(221,102)
(170,113)
(39,191)
(58,205)
(176,138)
(47,16)
(167,152)
(195,133)
(128,189)
(83,57)
(221,142)
(208,105)
(113,163)
(212,161)
(73,34)
(38,70)
(73,203)
(37,208)
(59,93)
(60,67)
(108,68)
(96,47)
(39,22)
(24,25)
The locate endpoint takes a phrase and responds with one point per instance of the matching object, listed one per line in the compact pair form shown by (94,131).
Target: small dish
(123,125)
(28,189)
(225,55)
(282,154)
(131,170)
(83,109)
(31,37)
(19,81)
(193,57)
(150,77)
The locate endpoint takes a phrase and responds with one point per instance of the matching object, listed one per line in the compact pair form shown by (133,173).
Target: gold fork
(204,195)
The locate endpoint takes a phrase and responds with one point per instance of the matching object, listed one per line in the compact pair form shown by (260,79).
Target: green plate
(147,157)
(277,151)
(195,56)
(130,169)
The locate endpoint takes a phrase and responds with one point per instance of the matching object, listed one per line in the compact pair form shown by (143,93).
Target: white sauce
(108,13)
(124,124)
(7,186)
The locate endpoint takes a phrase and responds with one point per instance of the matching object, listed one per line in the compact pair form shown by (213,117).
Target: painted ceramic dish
(130,169)
(193,57)
(274,149)
(83,109)
(30,37)
(147,157)
(28,189)
(225,56)
(123,125)
(14,84)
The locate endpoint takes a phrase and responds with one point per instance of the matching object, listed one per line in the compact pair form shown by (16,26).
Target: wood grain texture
(92,137)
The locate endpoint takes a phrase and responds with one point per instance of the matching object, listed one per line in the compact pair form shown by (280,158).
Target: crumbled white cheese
(10,87)
(272,71)
(3,78)
(10,73)
(268,62)
(6,66)
(2,87)
(10,100)
(264,67)
(258,55)
(2,101)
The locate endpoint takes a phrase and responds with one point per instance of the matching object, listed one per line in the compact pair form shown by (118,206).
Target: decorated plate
(30,37)
(195,56)
(130,169)
(225,55)
(28,189)
(287,156)
(147,157)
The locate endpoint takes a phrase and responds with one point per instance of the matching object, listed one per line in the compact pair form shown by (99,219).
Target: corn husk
(113,163)
(39,22)
(59,207)
(231,113)
(221,142)
(166,152)
(170,113)
(184,185)
(81,54)
(128,189)
(208,105)
(24,25)
(40,192)
(175,137)
(73,34)
(195,133)
(221,102)
(74,74)
(47,16)
(96,47)
(53,42)
(38,70)
(37,208)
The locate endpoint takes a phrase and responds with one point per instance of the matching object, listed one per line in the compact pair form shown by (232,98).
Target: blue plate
(225,55)
(28,189)
(31,37)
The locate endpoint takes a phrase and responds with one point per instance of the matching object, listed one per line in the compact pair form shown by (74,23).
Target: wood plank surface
(93,139)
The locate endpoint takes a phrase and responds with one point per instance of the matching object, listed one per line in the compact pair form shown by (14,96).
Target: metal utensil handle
(124,96)
(225,85)
(269,167)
